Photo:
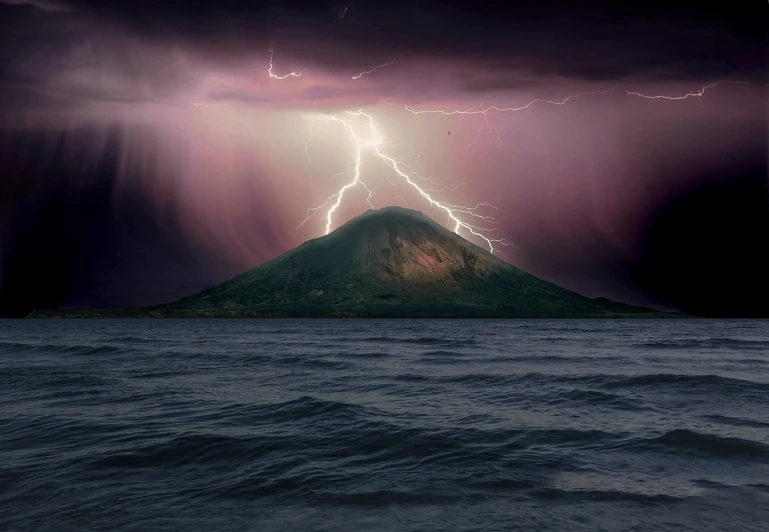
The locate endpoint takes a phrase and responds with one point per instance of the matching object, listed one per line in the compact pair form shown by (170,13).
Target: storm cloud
(146,153)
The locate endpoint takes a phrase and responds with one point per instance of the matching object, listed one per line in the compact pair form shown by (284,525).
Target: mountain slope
(392,262)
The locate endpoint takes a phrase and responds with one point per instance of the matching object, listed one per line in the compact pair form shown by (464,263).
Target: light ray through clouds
(374,144)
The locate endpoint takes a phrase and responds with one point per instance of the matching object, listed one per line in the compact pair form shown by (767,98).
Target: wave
(560,359)
(350,418)
(304,411)
(602,495)
(712,384)
(17,346)
(596,398)
(489,379)
(307,362)
(409,377)
(62,348)
(25,435)
(49,382)
(602,382)
(421,340)
(197,448)
(365,355)
(134,339)
(340,431)
(689,442)
(736,421)
(715,342)
(442,353)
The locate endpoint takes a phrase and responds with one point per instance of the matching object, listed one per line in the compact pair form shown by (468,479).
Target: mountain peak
(393,217)
(401,246)
(390,211)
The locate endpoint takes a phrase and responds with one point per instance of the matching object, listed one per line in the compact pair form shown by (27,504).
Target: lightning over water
(525,166)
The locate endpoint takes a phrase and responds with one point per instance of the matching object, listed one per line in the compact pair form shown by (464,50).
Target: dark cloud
(596,42)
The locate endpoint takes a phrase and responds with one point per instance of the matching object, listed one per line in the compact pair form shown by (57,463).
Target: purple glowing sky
(236,157)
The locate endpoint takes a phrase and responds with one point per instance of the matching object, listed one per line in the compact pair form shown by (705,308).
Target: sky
(152,149)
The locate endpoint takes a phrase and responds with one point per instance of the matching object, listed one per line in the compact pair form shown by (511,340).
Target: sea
(384,425)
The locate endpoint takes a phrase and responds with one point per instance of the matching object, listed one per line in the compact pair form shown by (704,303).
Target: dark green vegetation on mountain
(391,262)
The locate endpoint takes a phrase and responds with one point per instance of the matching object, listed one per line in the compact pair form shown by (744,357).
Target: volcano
(392,262)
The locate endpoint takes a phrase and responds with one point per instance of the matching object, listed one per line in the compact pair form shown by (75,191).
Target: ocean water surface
(357,425)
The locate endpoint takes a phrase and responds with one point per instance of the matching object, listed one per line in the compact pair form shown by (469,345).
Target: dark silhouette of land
(391,262)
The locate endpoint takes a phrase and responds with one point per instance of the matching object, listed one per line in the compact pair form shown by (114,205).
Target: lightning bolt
(475,111)
(370,195)
(359,145)
(358,76)
(343,12)
(269,70)
(451,210)
(493,132)
(335,200)
(695,94)
(395,189)
(307,145)
(374,143)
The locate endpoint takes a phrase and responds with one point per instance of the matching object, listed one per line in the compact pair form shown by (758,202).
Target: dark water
(384,425)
